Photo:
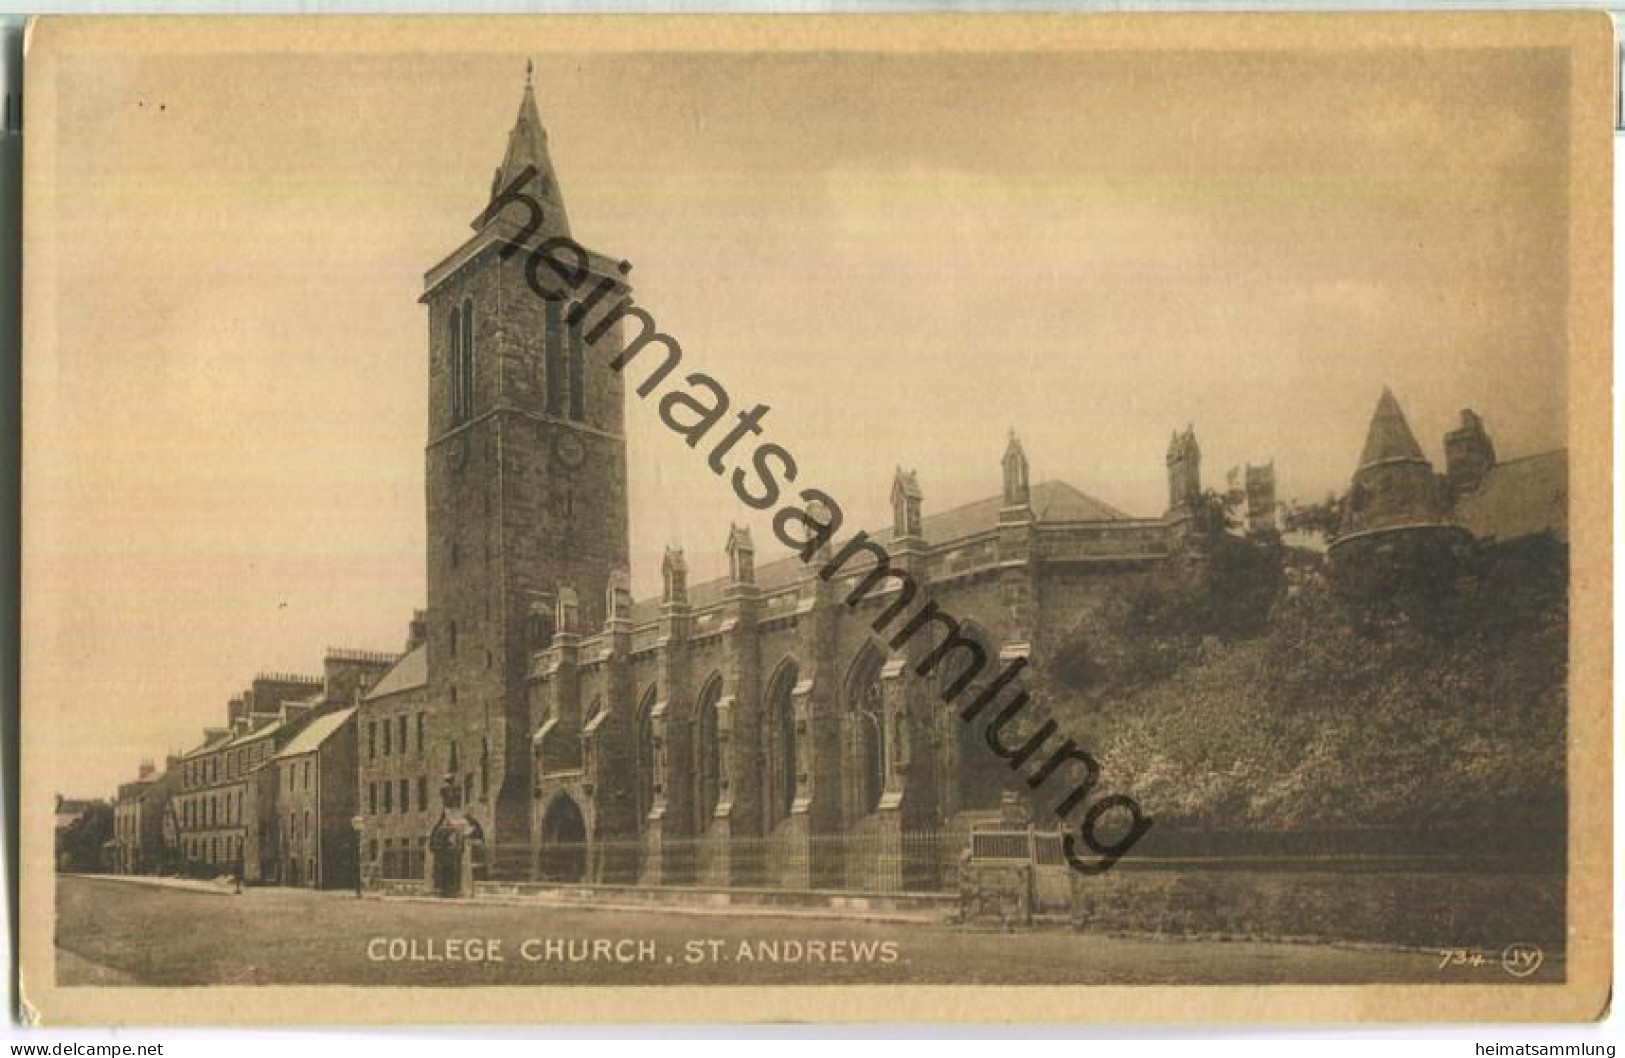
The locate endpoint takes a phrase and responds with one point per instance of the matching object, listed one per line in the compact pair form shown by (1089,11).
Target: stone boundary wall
(1417,909)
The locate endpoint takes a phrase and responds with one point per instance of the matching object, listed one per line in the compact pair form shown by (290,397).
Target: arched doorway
(564,841)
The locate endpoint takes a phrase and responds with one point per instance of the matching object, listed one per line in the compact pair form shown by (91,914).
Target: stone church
(746,731)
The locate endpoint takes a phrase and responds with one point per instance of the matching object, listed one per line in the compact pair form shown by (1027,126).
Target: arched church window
(780,731)
(868,730)
(646,755)
(708,756)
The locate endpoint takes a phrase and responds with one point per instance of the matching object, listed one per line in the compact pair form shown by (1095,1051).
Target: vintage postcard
(634,519)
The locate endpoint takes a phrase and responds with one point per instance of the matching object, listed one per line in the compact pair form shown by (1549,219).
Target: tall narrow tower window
(578,374)
(468,358)
(553,359)
(461,343)
(454,361)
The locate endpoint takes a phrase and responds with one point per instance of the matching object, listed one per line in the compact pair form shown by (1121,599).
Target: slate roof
(527,145)
(1389,438)
(316,732)
(1052,501)
(409,673)
(212,744)
(1518,498)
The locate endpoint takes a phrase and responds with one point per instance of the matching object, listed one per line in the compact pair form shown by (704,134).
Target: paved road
(118,932)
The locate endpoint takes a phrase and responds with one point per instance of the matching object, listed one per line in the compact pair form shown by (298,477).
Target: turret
(1394,484)
(1184,470)
(674,578)
(1017,492)
(741,555)
(905,504)
(1469,454)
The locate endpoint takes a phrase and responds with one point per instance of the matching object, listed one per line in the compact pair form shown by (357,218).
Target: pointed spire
(741,555)
(674,577)
(1016,493)
(1389,438)
(527,146)
(905,499)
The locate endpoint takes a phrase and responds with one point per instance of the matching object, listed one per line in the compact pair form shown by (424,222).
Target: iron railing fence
(861,861)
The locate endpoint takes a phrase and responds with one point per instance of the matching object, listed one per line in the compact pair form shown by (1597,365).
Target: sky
(904,255)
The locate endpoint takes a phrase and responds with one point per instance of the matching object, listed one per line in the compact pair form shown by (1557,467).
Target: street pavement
(115,932)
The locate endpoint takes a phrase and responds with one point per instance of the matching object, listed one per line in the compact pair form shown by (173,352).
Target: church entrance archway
(564,841)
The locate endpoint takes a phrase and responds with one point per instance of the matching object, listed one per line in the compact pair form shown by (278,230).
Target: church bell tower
(525,478)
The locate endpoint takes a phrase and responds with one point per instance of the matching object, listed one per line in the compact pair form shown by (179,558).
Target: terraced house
(212,806)
(226,810)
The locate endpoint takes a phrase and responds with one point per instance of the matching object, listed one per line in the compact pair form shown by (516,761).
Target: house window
(389,790)
(307,824)
(307,774)
(387,728)
(406,796)
(372,740)
(401,733)
(372,798)
(423,793)
(420,735)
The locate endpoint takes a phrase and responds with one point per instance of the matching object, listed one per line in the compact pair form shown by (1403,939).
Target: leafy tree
(1324,519)
(1342,712)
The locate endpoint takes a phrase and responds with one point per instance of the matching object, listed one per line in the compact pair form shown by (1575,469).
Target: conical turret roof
(1389,439)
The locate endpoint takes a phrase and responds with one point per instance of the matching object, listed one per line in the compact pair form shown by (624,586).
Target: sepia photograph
(660,518)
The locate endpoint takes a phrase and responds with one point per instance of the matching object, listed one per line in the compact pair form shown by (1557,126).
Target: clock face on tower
(568,451)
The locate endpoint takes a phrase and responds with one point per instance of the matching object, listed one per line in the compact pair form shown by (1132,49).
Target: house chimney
(417,631)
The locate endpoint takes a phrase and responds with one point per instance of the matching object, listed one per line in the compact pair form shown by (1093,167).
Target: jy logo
(1521,960)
